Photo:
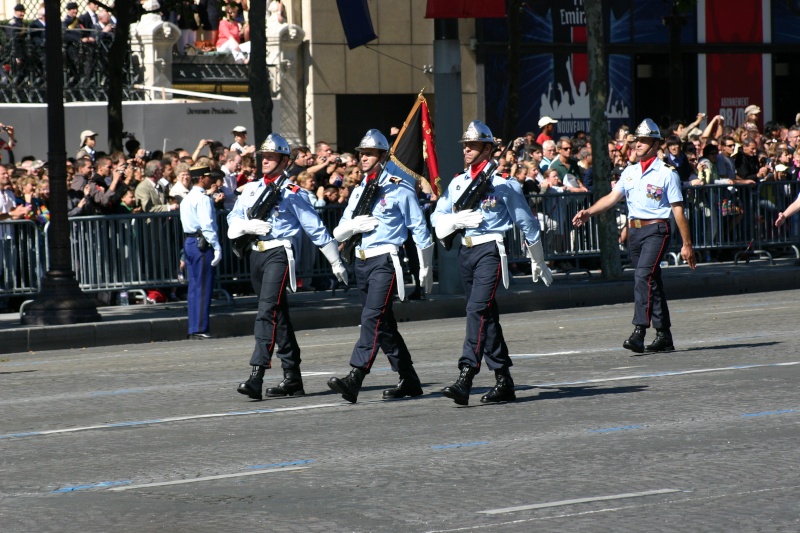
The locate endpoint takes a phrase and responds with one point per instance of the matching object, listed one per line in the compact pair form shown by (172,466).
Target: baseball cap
(544,121)
(85,134)
(239,129)
(752,110)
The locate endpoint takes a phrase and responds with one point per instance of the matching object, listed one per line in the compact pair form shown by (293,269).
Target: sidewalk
(167,322)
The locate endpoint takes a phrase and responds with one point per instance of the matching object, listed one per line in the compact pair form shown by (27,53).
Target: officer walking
(652,190)
(483,261)
(272,267)
(395,212)
(202,249)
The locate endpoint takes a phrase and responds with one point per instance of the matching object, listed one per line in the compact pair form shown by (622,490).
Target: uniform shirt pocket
(654,189)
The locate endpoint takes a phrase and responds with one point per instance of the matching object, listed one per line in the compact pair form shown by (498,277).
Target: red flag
(465,9)
(414,151)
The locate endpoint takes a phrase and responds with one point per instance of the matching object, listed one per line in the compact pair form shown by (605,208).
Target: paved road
(703,439)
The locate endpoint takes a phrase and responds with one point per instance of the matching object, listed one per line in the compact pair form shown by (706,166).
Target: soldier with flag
(382,210)
(498,206)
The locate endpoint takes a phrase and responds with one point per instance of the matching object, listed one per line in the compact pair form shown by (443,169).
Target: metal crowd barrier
(22,257)
(129,252)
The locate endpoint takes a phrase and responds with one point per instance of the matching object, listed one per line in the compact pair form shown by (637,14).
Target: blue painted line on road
(460,445)
(134,423)
(609,430)
(280,465)
(768,413)
(28,434)
(113,392)
(102,485)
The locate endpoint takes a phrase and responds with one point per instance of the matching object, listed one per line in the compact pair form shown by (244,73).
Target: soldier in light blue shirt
(202,249)
(381,212)
(272,266)
(483,259)
(652,191)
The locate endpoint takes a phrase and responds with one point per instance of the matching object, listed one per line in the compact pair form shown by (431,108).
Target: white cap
(544,121)
(752,110)
(85,134)
(239,129)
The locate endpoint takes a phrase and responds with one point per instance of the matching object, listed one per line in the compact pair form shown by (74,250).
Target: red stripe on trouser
(483,317)
(275,313)
(653,271)
(378,324)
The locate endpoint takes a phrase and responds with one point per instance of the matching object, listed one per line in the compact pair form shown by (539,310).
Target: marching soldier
(483,261)
(272,267)
(202,249)
(392,214)
(652,190)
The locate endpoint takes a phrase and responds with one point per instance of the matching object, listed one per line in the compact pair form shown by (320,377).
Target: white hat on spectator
(239,129)
(752,110)
(85,134)
(544,121)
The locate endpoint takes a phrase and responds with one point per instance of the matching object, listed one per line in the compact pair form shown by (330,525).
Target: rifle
(261,209)
(473,194)
(363,207)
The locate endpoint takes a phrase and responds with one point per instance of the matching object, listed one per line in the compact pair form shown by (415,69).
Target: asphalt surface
(154,437)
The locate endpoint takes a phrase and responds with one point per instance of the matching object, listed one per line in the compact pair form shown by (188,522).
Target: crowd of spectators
(551,170)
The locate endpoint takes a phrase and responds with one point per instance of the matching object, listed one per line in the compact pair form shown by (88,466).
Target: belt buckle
(637,223)
(362,255)
(261,246)
(468,241)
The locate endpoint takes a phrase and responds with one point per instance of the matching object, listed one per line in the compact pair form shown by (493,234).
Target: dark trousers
(481,273)
(269,273)
(376,280)
(647,246)
(201,285)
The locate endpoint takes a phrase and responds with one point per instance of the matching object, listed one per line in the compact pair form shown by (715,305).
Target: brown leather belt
(638,223)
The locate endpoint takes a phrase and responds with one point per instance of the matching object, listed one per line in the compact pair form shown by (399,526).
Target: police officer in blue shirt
(202,249)
(483,262)
(652,190)
(395,212)
(272,267)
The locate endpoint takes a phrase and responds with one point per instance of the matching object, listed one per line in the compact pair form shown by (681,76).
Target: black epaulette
(396,180)
(668,164)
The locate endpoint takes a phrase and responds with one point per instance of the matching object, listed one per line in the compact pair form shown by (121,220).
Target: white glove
(426,268)
(359,224)
(539,267)
(217,257)
(331,253)
(239,227)
(450,222)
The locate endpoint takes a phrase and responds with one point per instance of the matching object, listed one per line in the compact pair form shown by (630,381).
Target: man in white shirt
(231,167)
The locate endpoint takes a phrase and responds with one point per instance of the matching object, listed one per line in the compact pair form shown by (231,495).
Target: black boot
(292,384)
(459,391)
(252,387)
(503,390)
(662,342)
(348,386)
(408,385)
(635,342)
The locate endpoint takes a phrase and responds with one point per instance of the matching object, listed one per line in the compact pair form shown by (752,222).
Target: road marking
(662,374)
(739,311)
(462,445)
(104,484)
(544,354)
(570,502)
(207,478)
(278,465)
(609,430)
(372,402)
(113,392)
(769,413)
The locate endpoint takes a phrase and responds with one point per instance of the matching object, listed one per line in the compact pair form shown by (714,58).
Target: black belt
(197,233)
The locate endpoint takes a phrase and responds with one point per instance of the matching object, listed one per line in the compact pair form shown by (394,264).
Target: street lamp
(60,300)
